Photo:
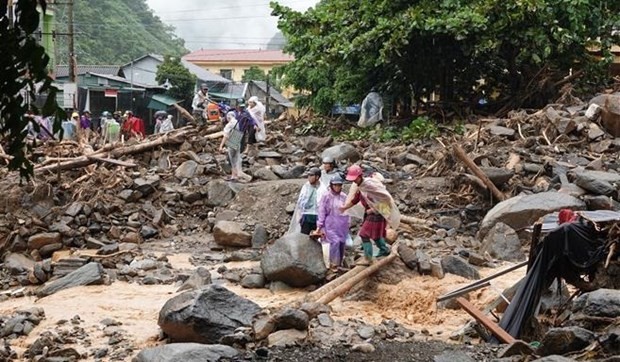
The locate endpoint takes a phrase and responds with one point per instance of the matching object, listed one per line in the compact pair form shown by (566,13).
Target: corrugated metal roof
(63,70)
(238,55)
(125,80)
(273,93)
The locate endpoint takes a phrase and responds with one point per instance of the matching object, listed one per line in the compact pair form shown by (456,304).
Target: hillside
(115,32)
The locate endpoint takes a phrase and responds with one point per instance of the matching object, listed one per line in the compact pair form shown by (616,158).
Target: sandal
(230,179)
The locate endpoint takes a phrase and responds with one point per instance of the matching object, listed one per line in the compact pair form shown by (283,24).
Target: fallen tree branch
(168,138)
(458,151)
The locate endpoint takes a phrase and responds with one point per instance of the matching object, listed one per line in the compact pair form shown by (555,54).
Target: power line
(214,9)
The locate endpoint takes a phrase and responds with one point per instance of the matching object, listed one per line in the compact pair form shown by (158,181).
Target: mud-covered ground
(385,351)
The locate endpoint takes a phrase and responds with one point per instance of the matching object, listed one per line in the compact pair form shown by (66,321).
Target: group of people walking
(324,210)
(244,130)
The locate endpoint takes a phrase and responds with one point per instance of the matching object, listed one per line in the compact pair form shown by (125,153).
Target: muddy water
(411,303)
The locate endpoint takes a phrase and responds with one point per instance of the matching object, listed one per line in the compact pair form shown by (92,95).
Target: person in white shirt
(233,150)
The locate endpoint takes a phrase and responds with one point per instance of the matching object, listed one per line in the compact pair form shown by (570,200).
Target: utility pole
(72,65)
(267,99)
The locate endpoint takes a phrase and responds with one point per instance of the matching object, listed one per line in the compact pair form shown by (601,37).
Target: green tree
(523,50)
(254,73)
(115,32)
(183,82)
(24,75)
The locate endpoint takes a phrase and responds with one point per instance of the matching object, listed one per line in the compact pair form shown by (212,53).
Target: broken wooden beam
(496,330)
(343,284)
(112,161)
(460,153)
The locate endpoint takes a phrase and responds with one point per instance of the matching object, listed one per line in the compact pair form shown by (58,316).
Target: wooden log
(112,161)
(184,113)
(168,138)
(460,153)
(497,331)
(344,283)
(314,295)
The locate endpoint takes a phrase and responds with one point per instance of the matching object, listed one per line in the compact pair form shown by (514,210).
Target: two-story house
(232,63)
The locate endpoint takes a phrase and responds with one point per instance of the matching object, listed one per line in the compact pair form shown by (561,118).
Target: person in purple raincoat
(333,225)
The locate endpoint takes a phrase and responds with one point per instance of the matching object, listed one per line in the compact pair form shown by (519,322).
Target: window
(226,73)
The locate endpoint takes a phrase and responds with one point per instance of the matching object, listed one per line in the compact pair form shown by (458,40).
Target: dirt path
(410,303)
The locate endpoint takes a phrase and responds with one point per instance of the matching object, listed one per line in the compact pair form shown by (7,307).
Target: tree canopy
(254,73)
(183,82)
(512,53)
(115,32)
(23,63)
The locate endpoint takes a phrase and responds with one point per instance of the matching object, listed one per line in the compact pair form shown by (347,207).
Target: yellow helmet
(75,115)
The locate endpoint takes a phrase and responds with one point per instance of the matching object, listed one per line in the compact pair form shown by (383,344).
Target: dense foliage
(254,73)
(182,81)
(23,63)
(509,53)
(115,32)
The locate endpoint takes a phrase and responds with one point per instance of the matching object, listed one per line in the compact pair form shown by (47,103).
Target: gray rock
(325,320)
(263,327)
(295,172)
(186,352)
(342,152)
(522,211)
(363,348)
(38,241)
(313,309)
(554,358)
(498,175)
(266,174)
(91,273)
(565,340)
(516,348)
(315,144)
(366,332)
(146,185)
(459,266)
(502,131)
(147,231)
(594,185)
(230,233)
(130,195)
(74,209)
(290,318)
(503,243)
(450,222)
(185,317)
(186,170)
(259,236)
(18,263)
(219,193)
(600,202)
(453,356)
(599,303)
(294,259)
(268,154)
(253,281)
(408,255)
(287,337)
(200,278)
(610,112)
(49,249)
(610,177)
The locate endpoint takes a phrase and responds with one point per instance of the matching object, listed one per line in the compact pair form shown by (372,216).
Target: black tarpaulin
(569,251)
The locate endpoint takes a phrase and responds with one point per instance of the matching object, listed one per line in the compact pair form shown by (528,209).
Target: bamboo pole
(350,283)
(460,153)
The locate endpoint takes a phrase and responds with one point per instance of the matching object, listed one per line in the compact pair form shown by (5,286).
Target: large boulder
(294,259)
(91,273)
(186,170)
(219,193)
(342,152)
(610,112)
(230,233)
(522,211)
(565,340)
(503,243)
(599,303)
(186,352)
(40,240)
(206,315)
(314,144)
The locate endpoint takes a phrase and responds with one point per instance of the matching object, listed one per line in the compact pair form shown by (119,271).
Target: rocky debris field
(120,214)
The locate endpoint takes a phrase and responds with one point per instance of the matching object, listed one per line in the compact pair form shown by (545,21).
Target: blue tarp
(353,109)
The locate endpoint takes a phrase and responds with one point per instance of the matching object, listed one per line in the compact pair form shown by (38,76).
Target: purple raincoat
(334,224)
